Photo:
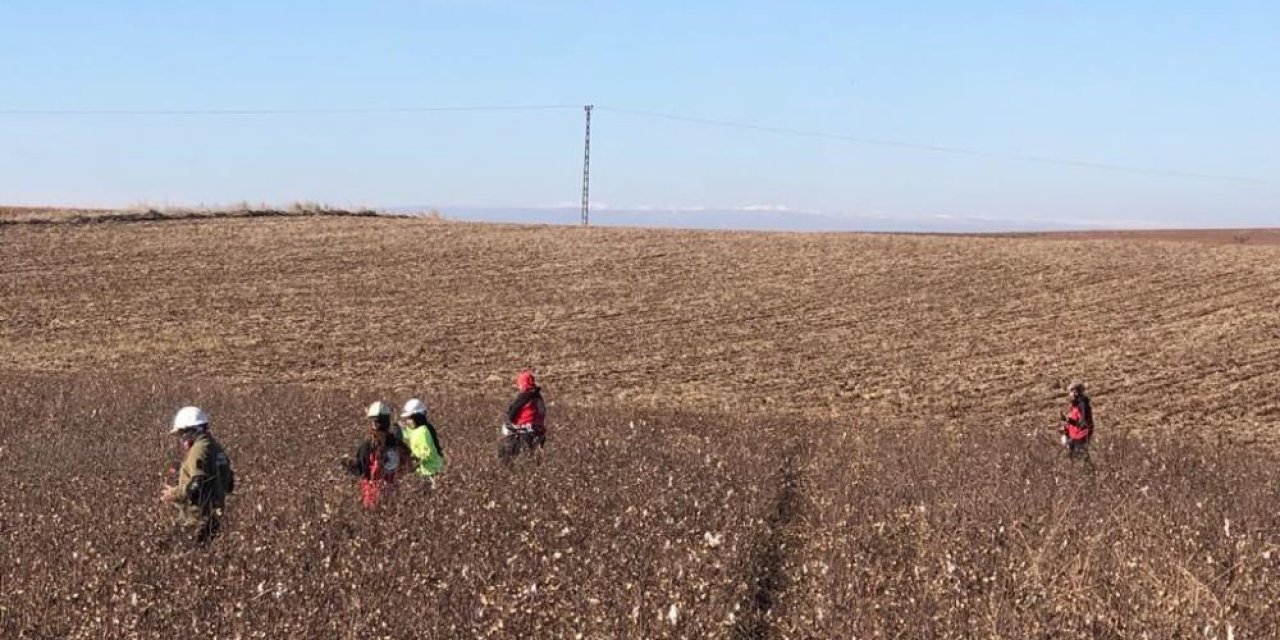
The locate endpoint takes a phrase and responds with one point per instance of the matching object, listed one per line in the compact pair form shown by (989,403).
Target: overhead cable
(937,148)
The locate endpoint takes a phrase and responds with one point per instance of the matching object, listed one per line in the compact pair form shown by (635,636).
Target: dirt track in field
(964,332)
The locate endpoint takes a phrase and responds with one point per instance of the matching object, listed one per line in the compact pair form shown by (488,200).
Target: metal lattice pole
(586,169)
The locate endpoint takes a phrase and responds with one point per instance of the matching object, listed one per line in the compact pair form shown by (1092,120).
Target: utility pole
(586,169)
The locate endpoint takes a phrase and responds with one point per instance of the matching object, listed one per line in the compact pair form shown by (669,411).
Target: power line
(938,148)
(278,112)
(1015,157)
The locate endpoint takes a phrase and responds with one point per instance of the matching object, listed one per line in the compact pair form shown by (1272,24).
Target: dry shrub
(147,213)
(626,517)
(664,524)
(916,534)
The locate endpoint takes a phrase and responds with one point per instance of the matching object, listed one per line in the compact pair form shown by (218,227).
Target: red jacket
(528,409)
(1079,424)
(377,468)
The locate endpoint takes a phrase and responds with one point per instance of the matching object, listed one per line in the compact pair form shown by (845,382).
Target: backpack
(224,469)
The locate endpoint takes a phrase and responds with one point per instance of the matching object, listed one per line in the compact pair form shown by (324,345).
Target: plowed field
(752,435)
(973,332)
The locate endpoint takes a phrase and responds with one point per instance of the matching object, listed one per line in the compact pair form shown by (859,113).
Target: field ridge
(53,216)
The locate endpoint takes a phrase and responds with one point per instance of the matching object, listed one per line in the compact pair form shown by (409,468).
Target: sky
(1162,86)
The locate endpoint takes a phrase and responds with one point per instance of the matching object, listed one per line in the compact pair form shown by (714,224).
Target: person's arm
(516,405)
(202,483)
(435,440)
(359,465)
(192,476)
(1087,409)
(225,470)
(173,474)
(169,493)
(400,444)
(1072,418)
(424,433)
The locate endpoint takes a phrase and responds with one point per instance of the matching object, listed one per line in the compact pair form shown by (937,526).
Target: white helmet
(414,406)
(378,410)
(189,418)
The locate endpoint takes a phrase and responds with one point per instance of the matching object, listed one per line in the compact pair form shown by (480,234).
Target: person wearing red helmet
(525,427)
(1077,422)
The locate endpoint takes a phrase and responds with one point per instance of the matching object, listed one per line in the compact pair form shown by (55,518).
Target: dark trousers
(208,530)
(514,444)
(1078,449)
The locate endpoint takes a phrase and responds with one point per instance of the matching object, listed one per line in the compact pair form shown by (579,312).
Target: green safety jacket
(424,447)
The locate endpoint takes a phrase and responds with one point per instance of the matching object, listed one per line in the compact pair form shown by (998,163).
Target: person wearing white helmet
(205,477)
(379,457)
(422,439)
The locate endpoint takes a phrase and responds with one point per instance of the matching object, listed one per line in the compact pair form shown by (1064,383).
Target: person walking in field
(204,478)
(525,427)
(379,458)
(1077,422)
(420,436)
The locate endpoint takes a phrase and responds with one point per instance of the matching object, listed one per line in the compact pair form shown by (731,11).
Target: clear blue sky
(1182,86)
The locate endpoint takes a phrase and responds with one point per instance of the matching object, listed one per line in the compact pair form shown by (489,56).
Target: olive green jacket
(204,480)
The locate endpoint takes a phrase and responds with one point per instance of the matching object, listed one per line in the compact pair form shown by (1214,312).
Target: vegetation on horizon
(138,213)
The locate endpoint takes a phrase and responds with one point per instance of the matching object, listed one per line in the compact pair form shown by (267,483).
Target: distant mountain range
(763,218)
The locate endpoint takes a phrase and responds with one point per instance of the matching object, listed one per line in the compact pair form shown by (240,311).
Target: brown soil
(752,435)
(969,331)
(1204,236)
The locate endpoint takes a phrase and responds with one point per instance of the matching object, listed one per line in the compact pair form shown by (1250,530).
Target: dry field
(971,332)
(626,517)
(636,524)
(1240,237)
(754,435)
